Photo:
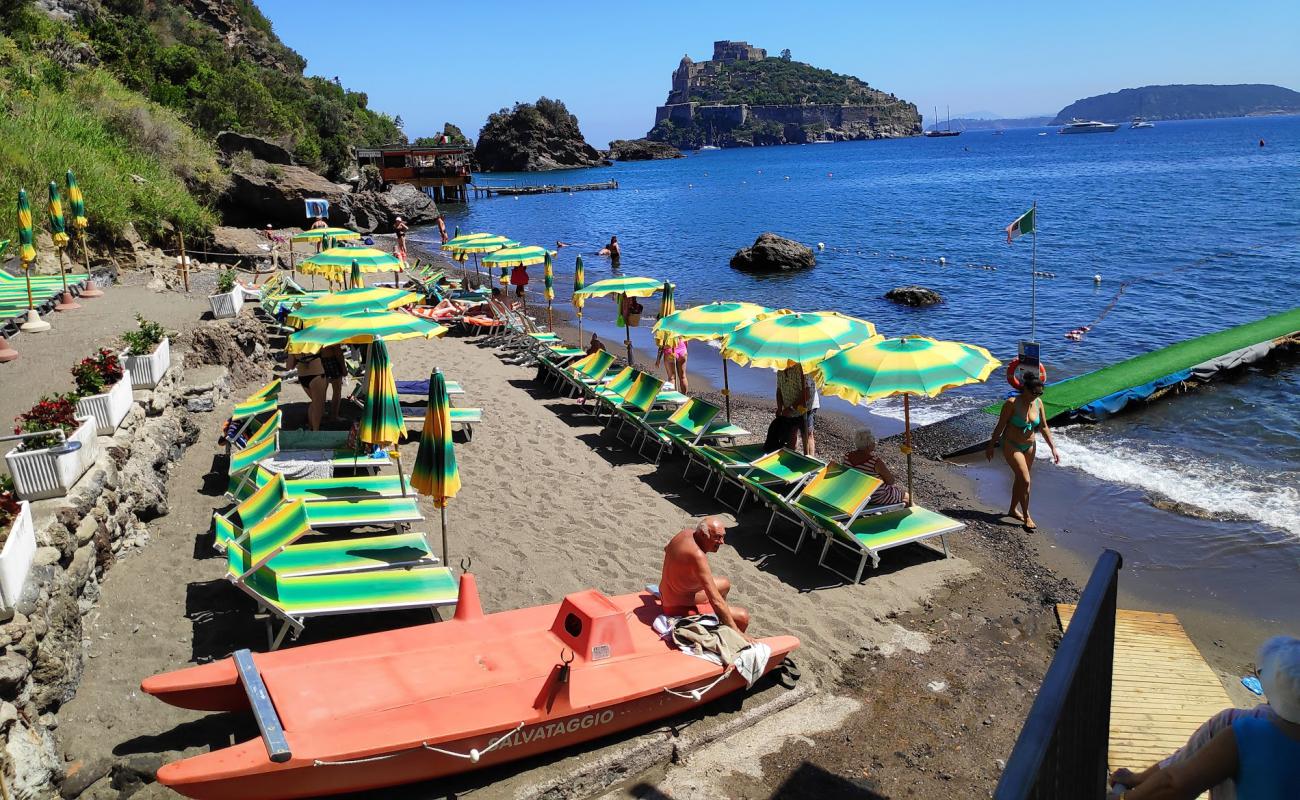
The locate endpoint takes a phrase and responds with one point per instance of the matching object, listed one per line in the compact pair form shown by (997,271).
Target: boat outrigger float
(434,700)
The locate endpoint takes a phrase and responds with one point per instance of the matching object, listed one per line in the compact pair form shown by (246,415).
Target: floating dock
(549,188)
(1161,688)
(1097,394)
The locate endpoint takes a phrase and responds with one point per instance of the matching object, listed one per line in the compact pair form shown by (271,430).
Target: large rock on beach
(642,150)
(230,142)
(375,212)
(533,138)
(261,192)
(772,253)
(915,296)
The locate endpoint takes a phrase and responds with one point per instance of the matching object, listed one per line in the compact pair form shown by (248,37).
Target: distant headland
(743,98)
(1184,101)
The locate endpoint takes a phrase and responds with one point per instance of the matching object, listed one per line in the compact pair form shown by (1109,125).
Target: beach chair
(724,462)
(637,403)
(554,364)
(462,418)
(264,445)
(352,512)
(277,541)
(685,424)
(828,503)
(351,487)
(246,412)
(775,478)
(587,371)
(867,536)
(294,599)
(607,394)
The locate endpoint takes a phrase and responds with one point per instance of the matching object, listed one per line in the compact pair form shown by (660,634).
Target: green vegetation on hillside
(454,136)
(136,161)
(774,81)
(1184,101)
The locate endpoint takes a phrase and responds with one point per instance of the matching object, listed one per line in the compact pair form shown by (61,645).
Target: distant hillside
(1184,101)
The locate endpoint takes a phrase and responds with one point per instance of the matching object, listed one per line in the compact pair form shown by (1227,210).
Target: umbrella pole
(90,290)
(726,389)
(907,445)
(401,478)
(627,339)
(579,329)
(444,533)
(550,322)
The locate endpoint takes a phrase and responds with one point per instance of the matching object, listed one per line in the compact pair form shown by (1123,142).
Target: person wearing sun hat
(1238,754)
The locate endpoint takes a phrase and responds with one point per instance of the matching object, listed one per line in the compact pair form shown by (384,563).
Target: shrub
(9,505)
(97,373)
(142,341)
(225,281)
(52,412)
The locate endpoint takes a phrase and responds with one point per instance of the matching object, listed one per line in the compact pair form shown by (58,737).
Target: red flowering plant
(53,412)
(94,375)
(9,506)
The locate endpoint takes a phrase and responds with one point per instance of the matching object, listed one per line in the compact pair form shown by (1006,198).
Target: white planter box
(226,305)
(108,409)
(16,557)
(37,474)
(147,371)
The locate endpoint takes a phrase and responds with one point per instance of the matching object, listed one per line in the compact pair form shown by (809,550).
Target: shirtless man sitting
(687,585)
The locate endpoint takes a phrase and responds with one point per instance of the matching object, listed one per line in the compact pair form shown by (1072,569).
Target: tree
(785,54)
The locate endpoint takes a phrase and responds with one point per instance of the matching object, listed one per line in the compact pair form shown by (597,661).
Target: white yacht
(1140,122)
(1089,126)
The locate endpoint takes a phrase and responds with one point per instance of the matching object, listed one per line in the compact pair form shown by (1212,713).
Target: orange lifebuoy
(1015,381)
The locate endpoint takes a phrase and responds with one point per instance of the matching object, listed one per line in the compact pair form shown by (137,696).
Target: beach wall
(79,537)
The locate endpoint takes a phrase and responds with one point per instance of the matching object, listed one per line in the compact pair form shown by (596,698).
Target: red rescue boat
(435,700)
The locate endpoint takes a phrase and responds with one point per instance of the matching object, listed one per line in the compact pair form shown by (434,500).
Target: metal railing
(1061,751)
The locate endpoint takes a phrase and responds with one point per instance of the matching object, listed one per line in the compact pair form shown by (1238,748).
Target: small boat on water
(1089,126)
(1140,122)
(435,700)
(936,133)
(704,147)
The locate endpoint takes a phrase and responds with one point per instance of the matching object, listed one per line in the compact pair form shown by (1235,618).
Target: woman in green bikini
(1021,417)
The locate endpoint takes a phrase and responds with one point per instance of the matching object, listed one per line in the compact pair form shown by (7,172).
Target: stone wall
(79,537)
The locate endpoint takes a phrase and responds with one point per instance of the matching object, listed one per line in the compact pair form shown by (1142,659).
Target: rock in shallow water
(772,253)
(915,296)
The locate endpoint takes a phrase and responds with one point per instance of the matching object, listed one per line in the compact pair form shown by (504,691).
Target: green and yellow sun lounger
(352,513)
(775,478)
(829,502)
(352,487)
(684,424)
(866,537)
(265,445)
(638,402)
(725,462)
(587,371)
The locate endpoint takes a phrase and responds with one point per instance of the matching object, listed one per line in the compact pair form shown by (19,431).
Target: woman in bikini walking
(1021,417)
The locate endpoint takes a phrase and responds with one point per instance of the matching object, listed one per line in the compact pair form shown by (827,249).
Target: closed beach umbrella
(908,365)
(336,262)
(352,301)
(579,281)
(666,308)
(624,286)
(363,328)
(548,289)
(27,254)
(805,338)
(356,280)
(59,233)
(77,206)
(435,473)
(712,321)
(381,418)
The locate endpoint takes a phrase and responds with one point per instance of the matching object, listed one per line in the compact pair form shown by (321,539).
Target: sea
(1149,236)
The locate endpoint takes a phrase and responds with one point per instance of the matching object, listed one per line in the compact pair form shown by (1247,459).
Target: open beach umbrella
(77,205)
(548,289)
(59,233)
(791,337)
(521,256)
(352,301)
(579,281)
(473,244)
(624,286)
(712,321)
(336,262)
(908,365)
(27,254)
(381,418)
(316,234)
(435,473)
(363,328)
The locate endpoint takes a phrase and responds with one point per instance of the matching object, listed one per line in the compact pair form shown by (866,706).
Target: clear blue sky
(611,62)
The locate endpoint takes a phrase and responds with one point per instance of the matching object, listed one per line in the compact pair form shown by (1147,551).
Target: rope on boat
(473,755)
(695,695)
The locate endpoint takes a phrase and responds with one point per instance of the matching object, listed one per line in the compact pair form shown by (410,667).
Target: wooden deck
(1162,689)
(549,188)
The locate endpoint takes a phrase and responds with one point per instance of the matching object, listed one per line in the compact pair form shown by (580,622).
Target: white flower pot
(16,557)
(226,305)
(38,474)
(109,408)
(147,371)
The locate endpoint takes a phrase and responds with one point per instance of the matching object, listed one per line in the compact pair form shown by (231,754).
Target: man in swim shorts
(687,585)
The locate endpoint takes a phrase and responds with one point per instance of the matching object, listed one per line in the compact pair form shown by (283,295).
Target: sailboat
(948,131)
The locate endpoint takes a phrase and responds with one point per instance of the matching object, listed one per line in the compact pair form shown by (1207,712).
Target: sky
(611,62)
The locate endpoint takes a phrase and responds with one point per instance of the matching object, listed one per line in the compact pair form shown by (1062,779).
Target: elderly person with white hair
(865,459)
(1244,754)
(688,586)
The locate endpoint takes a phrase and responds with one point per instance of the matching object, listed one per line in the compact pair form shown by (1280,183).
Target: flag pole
(1033,277)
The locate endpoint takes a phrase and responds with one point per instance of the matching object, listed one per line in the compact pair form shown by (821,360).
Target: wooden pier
(1161,688)
(549,188)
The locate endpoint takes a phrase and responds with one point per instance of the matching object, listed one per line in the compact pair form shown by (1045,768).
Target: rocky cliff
(741,98)
(533,137)
(641,150)
(1189,101)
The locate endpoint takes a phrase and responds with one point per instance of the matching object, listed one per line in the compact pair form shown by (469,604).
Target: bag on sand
(778,433)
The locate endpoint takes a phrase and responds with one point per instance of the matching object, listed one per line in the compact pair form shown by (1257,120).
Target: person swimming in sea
(1022,416)
(613,250)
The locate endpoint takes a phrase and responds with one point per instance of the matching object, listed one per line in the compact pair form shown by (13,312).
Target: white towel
(298,464)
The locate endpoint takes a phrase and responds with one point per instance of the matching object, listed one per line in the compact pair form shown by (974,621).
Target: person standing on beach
(791,405)
(399,228)
(687,585)
(1022,416)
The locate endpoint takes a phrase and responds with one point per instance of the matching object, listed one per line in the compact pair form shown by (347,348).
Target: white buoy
(942,260)
(821,245)
(787,177)
(1096,278)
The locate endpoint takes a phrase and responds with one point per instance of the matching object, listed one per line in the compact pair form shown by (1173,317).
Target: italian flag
(1023,225)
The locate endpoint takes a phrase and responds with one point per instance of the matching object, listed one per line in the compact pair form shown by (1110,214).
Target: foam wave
(925,411)
(1228,490)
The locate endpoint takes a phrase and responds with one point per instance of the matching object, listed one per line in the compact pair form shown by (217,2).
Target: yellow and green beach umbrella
(711,321)
(315,234)
(27,254)
(624,287)
(475,243)
(352,301)
(76,203)
(381,418)
(579,281)
(521,256)
(548,289)
(666,308)
(805,338)
(460,239)
(435,473)
(58,229)
(355,281)
(908,365)
(336,262)
(363,328)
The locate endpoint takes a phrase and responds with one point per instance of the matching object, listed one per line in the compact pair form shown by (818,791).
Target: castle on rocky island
(742,97)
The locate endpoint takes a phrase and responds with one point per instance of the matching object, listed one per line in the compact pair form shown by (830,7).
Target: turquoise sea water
(1202,220)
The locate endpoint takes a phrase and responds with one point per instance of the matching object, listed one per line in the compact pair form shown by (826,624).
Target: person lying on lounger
(687,585)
